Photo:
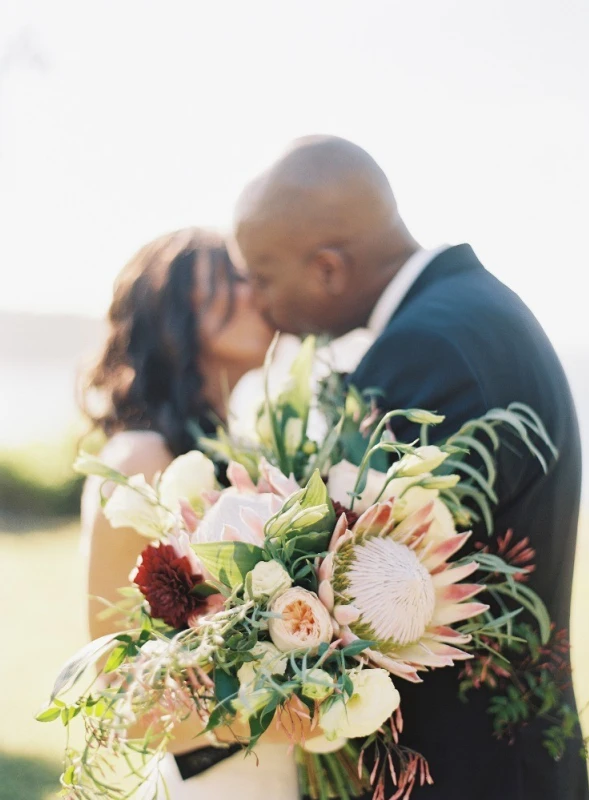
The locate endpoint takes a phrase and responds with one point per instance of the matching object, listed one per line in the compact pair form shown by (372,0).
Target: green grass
(42,594)
(38,480)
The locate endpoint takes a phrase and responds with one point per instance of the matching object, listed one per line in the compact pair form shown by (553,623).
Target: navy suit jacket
(462,343)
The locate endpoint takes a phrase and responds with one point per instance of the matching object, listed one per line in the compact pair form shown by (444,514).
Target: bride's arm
(113,552)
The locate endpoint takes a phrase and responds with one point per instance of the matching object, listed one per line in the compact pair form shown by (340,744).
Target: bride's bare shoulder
(131,452)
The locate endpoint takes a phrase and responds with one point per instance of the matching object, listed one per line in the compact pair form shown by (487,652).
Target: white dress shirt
(395,292)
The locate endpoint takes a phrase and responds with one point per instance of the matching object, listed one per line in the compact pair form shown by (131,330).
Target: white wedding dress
(272,776)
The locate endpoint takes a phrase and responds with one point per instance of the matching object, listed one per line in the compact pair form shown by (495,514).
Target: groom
(327,251)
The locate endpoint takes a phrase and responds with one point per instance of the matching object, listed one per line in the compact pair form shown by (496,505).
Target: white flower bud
(268,580)
(440,482)
(422,417)
(423,459)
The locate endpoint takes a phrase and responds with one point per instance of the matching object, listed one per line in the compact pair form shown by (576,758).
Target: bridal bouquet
(302,589)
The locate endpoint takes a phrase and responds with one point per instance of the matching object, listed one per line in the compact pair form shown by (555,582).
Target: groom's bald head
(321,236)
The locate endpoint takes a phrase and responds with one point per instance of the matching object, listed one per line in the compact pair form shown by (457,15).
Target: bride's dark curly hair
(147,376)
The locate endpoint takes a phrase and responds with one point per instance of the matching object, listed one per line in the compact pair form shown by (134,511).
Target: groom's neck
(370,292)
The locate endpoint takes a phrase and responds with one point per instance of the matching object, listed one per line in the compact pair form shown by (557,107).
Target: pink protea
(392,584)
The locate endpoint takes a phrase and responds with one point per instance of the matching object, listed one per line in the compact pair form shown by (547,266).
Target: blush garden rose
(304,622)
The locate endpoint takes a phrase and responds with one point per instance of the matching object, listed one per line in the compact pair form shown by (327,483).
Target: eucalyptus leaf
(355,648)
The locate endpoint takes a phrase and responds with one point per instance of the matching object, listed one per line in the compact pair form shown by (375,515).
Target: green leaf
(73,669)
(69,775)
(116,658)
(356,647)
(526,597)
(474,444)
(476,476)
(48,715)
(204,589)
(510,418)
(226,686)
(329,443)
(463,490)
(270,412)
(229,562)
(348,686)
(311,544)
(260,722)
(298,393)
(471,427)
(536,424)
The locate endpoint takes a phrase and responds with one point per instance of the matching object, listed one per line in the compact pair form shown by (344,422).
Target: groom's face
(288,288)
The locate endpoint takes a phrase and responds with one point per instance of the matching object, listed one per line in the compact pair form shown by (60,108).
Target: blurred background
(123,120)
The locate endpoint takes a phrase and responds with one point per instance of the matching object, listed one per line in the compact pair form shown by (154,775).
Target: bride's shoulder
(132,452)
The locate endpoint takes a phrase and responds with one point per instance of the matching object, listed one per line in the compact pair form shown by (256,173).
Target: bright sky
(151,115)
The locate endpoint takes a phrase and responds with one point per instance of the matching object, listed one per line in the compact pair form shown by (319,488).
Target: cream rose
(304,622)
(269,579)
(136,506)
(187,477)
(372,702)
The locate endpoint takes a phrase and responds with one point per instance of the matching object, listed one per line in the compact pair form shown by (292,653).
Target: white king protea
(392,584)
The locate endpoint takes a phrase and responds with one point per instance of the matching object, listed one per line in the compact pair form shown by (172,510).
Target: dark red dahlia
(340,509)
(165,579)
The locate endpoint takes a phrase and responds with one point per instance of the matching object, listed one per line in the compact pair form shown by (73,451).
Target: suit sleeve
(418,368)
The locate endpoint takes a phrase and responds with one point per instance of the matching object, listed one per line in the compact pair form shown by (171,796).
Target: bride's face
(232,334)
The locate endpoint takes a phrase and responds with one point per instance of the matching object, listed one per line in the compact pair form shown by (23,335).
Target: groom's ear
(332,270)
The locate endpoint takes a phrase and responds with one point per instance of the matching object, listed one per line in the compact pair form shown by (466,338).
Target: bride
(182,332)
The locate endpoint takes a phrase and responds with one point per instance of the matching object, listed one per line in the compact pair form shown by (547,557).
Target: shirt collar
(397,289)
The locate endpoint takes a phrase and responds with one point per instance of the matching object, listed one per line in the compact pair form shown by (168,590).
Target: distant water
(37,399)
